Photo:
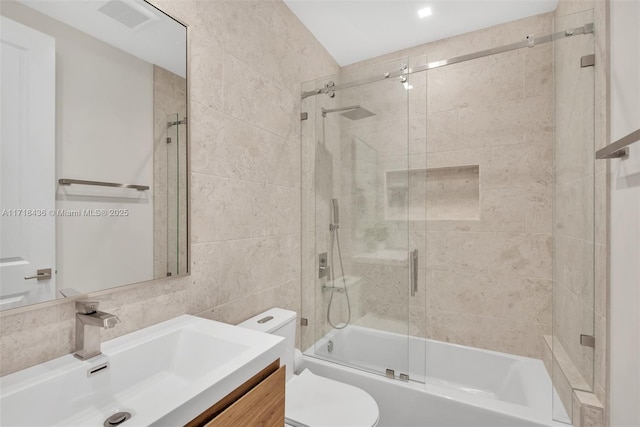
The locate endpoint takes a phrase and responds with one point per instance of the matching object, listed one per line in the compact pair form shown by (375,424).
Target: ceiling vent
(128,13)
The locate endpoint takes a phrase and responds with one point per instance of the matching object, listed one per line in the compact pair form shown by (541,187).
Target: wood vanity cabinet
(257,402)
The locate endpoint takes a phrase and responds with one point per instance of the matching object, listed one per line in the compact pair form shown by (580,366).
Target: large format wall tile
(504,123)
(571,318)
(508,297)
(248,60)
(479,82)
(514,254)
(233,148)
(250,96)
(486,276)
(491,333)
(234,209)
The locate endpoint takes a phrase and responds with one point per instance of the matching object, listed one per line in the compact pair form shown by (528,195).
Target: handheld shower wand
(336,215)
(335,240)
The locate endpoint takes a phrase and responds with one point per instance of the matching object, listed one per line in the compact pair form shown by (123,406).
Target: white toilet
(312,400)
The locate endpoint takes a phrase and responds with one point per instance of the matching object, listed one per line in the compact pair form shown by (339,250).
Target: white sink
(165,374)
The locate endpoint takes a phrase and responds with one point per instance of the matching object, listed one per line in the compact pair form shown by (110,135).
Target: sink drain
(116,419)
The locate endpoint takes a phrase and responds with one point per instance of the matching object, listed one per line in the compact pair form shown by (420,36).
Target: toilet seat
(314,401)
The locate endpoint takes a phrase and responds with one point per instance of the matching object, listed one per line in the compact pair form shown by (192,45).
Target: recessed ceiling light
(423,13)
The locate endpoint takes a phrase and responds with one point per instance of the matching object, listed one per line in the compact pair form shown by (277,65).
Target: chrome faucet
(89,321)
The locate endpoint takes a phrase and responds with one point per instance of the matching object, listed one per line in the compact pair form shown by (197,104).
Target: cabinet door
(261,406)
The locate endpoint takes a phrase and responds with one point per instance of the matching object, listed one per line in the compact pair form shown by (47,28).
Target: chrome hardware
(404,377)
(417,68)
(97,369)
(336,212)
(66,181)
(588,61)
(304,321)
(332,289)
(41,274)
(618,149)
(588,340)
(323,269)
(304,116)
(413,265)
(87,307)
(329,92)
(403,79)
(265,319)
(116,419)
(390,373)
(620,154)
(403,67)
(177,122)
(89,321)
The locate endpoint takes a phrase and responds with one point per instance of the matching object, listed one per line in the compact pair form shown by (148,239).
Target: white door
(27,165)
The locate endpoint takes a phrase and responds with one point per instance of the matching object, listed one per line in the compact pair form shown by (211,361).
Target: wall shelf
(448,193)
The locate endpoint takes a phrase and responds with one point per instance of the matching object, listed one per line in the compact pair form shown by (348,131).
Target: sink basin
(165,374)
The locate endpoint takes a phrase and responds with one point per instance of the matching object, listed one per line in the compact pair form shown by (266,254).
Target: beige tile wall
(247,61)
(573,290)
(580,282)
(483,282)
(169,228)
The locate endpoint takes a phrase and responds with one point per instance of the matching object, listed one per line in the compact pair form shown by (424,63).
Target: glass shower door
(576,233)
(364,275)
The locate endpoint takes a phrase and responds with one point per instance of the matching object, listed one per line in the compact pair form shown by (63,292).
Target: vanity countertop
(165,374)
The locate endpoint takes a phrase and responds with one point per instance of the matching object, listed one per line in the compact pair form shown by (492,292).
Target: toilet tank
(277,321)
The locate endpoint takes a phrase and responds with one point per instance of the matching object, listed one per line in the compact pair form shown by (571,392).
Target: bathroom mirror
(93,160)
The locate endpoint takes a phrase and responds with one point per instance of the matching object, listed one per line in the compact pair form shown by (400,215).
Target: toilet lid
(314,401)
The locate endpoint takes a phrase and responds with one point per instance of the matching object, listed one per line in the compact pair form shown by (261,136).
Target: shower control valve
(323,269)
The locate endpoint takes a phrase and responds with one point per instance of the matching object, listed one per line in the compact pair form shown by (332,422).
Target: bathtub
(458,385)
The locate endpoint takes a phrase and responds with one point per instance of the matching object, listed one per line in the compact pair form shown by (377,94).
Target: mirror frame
(132,286)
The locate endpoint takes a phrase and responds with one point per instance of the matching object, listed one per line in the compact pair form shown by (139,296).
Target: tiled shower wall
(580,294)
(486,280)
(169,174)
(574,213)
(247,62)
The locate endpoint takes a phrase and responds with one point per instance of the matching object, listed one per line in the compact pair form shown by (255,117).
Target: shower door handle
(413,265)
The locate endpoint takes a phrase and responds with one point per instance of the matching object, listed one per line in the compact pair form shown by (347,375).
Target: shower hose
(335,239)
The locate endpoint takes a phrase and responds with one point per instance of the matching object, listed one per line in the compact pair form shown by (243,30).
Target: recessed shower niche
(448,193)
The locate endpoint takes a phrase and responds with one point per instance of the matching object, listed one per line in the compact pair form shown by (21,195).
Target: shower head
(354,112)
(357,113)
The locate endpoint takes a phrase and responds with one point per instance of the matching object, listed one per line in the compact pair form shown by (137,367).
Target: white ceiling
(354,30)
(161,41)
